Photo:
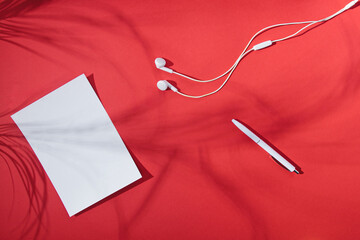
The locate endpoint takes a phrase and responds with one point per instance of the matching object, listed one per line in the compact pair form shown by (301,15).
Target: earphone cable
(310,23)
(223,84)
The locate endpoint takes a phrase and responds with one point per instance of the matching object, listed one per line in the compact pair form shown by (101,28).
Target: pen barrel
(277,156)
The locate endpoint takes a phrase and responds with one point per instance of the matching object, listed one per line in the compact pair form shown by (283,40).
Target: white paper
(77,144)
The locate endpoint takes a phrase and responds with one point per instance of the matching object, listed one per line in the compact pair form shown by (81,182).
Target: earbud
(164,85)
(160,64)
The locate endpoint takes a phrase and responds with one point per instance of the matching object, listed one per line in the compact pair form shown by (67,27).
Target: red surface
(203,179)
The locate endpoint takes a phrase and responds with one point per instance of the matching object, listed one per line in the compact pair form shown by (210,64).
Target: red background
(203,179)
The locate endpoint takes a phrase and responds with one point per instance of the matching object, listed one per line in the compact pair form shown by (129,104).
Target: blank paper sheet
(77,144)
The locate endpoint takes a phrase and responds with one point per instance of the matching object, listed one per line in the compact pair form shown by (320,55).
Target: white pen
(265,146)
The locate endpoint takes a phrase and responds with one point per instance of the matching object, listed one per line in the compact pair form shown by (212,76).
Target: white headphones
(160,63)
(164,85)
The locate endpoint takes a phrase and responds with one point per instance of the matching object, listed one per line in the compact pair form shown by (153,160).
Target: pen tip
(297,172)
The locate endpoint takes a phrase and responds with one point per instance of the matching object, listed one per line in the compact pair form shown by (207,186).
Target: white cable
(310,24)
(245,52)
(223,84)
(278,40)
(247,46)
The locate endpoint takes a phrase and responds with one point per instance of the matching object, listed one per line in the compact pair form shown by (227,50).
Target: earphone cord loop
(233,67)
(258,33)
(223,84)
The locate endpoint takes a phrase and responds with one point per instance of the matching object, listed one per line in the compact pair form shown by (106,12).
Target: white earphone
(164,85)
(160,63)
